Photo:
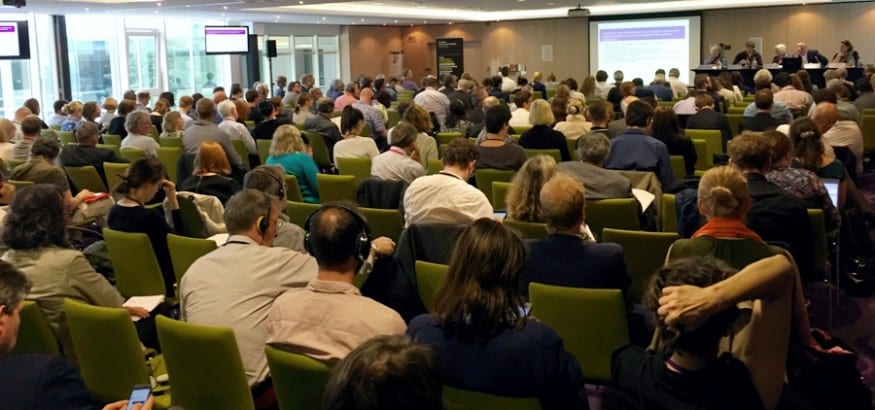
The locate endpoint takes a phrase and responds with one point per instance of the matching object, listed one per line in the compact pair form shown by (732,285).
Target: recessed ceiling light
(551,4)
(159,4)
(323,18)
(363,19)
(277,17)
(87,9)
(300,1)
(224,7)
(396,21)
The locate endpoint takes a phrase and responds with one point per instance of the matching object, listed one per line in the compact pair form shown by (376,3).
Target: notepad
(644,198)
(146,302)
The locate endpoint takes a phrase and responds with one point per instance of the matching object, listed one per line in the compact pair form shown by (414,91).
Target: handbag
(828,381)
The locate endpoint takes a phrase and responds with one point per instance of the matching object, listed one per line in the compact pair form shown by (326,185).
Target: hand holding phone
(139,395)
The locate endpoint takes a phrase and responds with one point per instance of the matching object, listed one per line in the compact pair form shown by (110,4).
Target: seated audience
(117,124)
(58,117)
(374,119)
(762,120)
(34,233)
(797,100)
(349,97)
(666,128)
(706,118)
(385,373)
(73,111)
(687,370)
(138,126)
(30,131)
(172,125)
(636,150)
(447,197)
(432,100)
(90,112)
(288,151)
(205,129)
(495,151)
(270,179)
(575,124)
(210,174)
(321,123)
(808,149)
(627,95)
(302,110)
(520,116)
(599,183)
(353,144)
(401,161)
(236,285)
(87,153)
(541,136)
(425,144)
(600,114)
(522,195)
(457,120)
(186,105)
(110,105)
(479,328)
(779,111)
(143,179)
(41,169)
(329,317)
(839,133)
(867,96)
(157,115)
(234,128)
(7,133)
(271,110)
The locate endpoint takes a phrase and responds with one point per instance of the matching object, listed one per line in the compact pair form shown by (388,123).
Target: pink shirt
(343,100)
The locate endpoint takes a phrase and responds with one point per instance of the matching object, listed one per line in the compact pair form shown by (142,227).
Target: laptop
(832,188)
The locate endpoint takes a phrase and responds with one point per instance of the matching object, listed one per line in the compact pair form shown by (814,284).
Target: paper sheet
(146,302)
(644,198)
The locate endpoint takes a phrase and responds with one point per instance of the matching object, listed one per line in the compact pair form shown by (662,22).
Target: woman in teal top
(287,150)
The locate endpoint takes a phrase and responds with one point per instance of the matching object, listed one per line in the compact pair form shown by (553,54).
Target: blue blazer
(41,382)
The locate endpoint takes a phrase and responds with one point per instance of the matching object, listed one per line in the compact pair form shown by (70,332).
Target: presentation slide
(227,40)
(639,47)
(9,39)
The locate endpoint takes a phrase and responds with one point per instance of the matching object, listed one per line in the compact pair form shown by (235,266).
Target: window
(315,55)
(189,69)
(91,53)
(23,79)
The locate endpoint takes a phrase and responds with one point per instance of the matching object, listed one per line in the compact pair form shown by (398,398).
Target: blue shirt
(634,150)
(70,124)
(304,169)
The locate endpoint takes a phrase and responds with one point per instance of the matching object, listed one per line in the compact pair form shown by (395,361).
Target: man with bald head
(837,132)
(810,56)
(20,114)
(373,118)
(7,132)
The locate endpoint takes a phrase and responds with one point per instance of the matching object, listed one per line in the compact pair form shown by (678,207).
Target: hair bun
(723,196)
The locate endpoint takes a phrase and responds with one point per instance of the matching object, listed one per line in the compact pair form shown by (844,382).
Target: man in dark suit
(810,56)
(600,183)
(87,153)
(706,118)
(762,120)
(641,91)
(775,215)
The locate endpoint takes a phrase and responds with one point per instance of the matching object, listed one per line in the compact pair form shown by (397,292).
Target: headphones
(362,246)
(280,183)
(263,222)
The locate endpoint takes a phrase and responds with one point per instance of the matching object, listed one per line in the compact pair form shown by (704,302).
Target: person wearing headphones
(270,179)
(329,317)
(235,285)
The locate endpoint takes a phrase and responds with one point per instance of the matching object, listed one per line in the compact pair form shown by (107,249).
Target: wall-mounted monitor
(14,40)
(226,39)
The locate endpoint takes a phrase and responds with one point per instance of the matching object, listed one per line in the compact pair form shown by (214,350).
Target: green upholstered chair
(112,139)
(241,150)
(263,147)
(113,172)
(485,177)
(678,168)
(548,152)
(499,195)
(429,278)
(320,149)
(169,157)
(133,260)
(434,166)
(734,122)
(109,354)
(644,253)
(619,213)
(132,154)
(384,222)
(293,189)
(713,139)
(114,148)
(868,128)
(35,336)
(249,124)
(591,323)
(704,162)
(459,399)
(19,184)
(442,149)
(184,251)
(299,211)
(521,129)
(668,214)
(153,132)
(297,379)
(85,178)
(360,168)
(529,230)
(818,236)
(394,117)
(336,187)
(448,137)
(192,222)
(65,137)
(170,142)
(204,365)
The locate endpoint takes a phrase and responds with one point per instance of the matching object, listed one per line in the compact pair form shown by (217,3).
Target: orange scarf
(727,228)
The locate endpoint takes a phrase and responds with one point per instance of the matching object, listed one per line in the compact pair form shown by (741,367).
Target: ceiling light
(87,9)
(159,4)
(224,7)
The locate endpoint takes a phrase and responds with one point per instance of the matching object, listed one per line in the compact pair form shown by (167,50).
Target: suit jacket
(42,382)
(600,183)
(81,155)
(760,122)
(565,260)
(814,56)
(756,56)
(710,120)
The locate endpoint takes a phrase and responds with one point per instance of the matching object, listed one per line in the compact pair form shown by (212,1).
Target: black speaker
(271,48)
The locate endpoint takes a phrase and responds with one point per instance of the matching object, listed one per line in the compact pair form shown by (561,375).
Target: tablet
(832,188)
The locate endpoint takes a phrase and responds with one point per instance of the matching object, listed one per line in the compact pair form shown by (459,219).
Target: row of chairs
(87,177)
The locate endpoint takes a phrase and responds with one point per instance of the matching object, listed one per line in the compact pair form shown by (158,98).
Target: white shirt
(508,85)
(434,101)
(238,131)
(795,99)
(356,147)
(519,117)
(678,88)
(235,286)
(603,88)
(573,127)
(143,142)
(6,151)
(444,198)
(687,106)
(396,165)
(846,134)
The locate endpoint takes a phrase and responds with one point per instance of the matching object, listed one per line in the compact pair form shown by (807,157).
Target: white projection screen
(639,47)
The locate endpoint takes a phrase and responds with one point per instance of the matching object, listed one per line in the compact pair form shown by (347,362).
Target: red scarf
(727,228)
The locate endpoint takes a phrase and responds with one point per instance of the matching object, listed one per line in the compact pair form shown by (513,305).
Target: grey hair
(225,108)
(245,207)
(781,47)
(14,287)
(134,118)
(593,147)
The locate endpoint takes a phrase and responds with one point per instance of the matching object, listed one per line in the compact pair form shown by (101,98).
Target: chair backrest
(459,399)
(442,149)
(299,211)
(113,172)
(818,236)
(448,137)
(485,177)
(499,195)
(192,221)
(66,137)
(298,380)
(184,251)
(678,168)
(241,150)
(521,129)
(644,253)
(668,215)
(114,148)
(153,132)
(19,184)
(434,166)
(360,168)
(548,152)
(384,222)
(336,187)
(429,278)
(713,138)
(85,178)
(394,117)
(591,323)
(320,149)
(132,154)
(169,157)
(263,147)
(529,230)
(619,213)
(133,260)
(204,366)
(112,139)
(170,142)
(110,358)
(293,189)
(34,333)
(868,129)
(734,122)
(704,161)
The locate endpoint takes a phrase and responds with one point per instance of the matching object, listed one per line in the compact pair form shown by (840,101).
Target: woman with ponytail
(575,123)
(139,185)
(353,145)
(810,154)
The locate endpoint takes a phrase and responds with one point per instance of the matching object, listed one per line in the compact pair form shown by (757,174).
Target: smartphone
(139,395)
(526,309)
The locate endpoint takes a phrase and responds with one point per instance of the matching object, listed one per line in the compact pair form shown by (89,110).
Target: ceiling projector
(578,12)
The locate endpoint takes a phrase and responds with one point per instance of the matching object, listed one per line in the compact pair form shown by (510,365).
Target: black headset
(263,222)
(280,183)
(362,246)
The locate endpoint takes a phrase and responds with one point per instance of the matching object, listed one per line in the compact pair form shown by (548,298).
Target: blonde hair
(523,196)
(211,157)
(169,123)
(540,113)
(286,139)
(575,107)
(72,107)
(110,104)
(723,193)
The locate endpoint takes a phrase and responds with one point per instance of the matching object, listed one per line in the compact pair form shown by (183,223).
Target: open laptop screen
(832,187)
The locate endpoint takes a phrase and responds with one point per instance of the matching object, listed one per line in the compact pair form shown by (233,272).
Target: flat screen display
(14,43)
(226,39)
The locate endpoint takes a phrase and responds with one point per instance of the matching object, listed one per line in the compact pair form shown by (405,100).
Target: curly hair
(36,219)
(523,196)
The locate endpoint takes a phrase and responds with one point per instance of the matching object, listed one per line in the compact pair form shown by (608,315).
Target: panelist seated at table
(749,56)
(847,55)
(716,56)
(780,53)
(810,56)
